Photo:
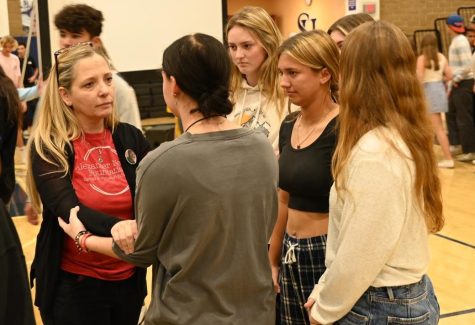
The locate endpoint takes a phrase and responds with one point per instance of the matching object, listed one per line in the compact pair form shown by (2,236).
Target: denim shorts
(409,304)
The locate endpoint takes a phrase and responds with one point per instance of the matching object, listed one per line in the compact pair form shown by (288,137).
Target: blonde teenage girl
(308,63)
(253,37)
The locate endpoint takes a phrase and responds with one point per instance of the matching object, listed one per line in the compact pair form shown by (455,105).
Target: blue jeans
(409,304)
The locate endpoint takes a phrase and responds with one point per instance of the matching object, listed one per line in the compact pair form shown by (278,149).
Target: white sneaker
(455,150)
(446,163)
(466,156)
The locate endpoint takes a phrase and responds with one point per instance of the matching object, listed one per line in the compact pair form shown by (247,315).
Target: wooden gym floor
(452,268)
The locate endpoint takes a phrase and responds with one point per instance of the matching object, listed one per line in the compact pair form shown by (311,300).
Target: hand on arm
(59,197)
(124,234)
(102,245)
(74,226)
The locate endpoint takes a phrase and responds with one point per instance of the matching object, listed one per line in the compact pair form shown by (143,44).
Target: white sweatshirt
(377,233)
(253,110)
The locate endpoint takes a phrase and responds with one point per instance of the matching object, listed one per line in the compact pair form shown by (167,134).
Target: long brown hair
(381,89)
(430,51)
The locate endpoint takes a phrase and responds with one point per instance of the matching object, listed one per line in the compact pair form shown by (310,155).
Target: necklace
(100,159)
(202,119)
(299,143)
(99,148)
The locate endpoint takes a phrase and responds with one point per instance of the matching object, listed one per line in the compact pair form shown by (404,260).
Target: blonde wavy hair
(381,89)
(8,39)
(57,126)
(261,25)
(316,50)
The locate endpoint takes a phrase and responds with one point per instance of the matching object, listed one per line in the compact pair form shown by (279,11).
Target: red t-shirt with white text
(100,184)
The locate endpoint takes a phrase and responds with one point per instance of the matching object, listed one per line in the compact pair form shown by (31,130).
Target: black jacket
(58,197)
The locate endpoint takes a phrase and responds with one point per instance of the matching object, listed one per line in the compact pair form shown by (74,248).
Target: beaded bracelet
(83,242)
(78,238)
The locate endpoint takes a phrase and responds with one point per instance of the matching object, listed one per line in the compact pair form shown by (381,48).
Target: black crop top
(306,173)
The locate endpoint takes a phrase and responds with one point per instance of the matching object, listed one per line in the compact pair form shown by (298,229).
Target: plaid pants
(302,264)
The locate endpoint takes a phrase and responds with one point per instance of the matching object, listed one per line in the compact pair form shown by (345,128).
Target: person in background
(340,29)
(377,250)
(11,66)
(9,61)
(460,117)
(29,80)
(433,70)
(308,64)
(80,155)
(78,23)
(206,202)
(15,297)
(26,8)
(252,38)
(31,72)
(470,34)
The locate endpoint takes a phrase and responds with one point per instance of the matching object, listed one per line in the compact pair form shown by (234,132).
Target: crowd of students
(278,185)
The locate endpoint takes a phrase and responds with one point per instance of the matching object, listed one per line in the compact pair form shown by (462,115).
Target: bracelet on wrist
(83,242)
(77,239)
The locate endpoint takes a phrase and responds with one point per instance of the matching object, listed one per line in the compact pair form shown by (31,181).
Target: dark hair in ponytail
(201,67)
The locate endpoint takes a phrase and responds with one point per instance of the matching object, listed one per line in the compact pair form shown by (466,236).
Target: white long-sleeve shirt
(27,94)
(377,233)
(460,58)
(126,101)
(253,110)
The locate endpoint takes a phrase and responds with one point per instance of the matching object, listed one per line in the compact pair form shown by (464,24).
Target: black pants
(460,119)
(83,300)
